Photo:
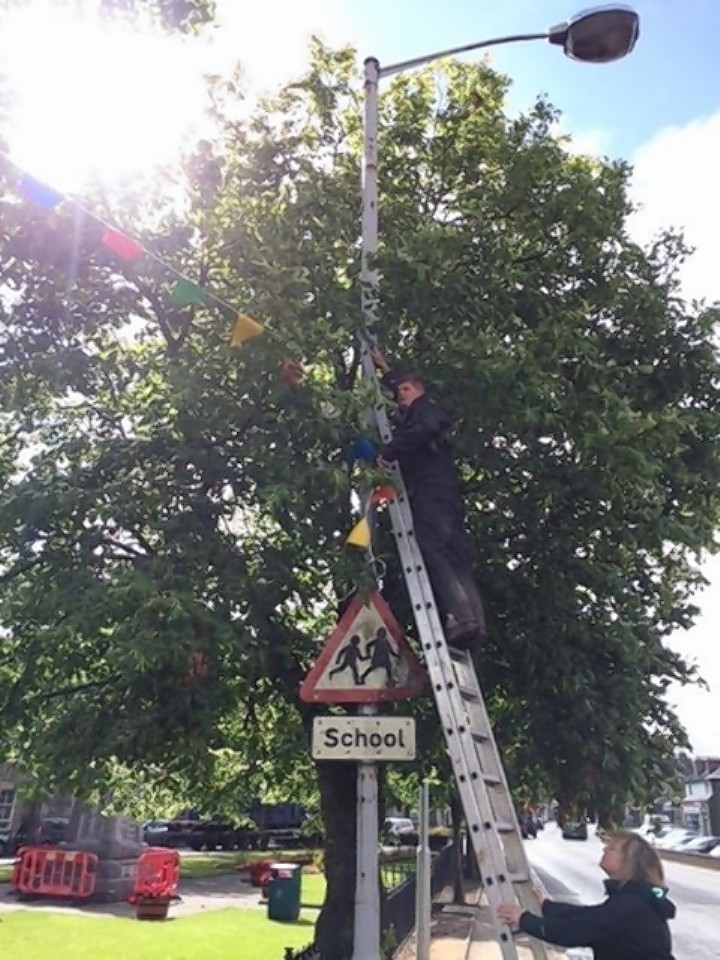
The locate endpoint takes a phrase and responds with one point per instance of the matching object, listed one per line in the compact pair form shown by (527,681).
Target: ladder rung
(504,827)
(460,656)
(513,878)
(519,878)
(492,780)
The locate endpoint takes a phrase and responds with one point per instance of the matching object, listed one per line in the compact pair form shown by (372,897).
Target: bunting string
(185,292)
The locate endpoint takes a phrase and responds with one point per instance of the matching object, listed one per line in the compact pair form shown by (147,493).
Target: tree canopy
(172,513)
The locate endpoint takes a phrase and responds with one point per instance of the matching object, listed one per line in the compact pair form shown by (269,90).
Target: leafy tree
(173,514)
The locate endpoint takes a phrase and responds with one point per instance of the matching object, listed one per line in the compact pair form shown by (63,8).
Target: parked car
(155,833)
(575,830)
(672,837)
(211,834)
(701,845)
(399,831)
(715,852)
(37,832)
(681,843)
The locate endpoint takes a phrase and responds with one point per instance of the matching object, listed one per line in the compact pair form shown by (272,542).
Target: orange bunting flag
(125,247)
(245,329)
(360,535)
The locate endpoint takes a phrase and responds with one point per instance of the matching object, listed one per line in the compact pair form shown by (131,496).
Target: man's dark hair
(414,378)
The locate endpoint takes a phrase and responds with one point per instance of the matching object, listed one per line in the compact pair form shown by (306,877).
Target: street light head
(600,35)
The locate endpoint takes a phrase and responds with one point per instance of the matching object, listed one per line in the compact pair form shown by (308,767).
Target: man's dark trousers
(443,541)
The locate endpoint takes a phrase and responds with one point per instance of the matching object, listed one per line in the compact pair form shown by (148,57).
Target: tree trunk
(457,874)
(334,929)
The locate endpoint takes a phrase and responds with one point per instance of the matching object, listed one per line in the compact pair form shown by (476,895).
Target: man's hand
(510,913)
(378,358)
(383,463)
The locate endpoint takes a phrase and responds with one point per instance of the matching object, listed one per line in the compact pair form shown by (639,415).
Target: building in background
(701,801)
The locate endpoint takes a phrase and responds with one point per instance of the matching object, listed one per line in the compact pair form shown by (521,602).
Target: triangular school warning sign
(366,659)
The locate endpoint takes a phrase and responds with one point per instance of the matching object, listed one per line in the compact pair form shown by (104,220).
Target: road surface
(569,869)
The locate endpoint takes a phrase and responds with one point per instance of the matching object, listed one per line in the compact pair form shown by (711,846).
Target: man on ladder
(421,446)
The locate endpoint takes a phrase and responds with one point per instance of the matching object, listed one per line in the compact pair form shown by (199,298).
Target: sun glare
(91,99)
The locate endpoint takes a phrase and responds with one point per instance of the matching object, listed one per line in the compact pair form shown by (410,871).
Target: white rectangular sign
(363,738)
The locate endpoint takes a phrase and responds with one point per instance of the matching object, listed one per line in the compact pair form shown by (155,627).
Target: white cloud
(675,180)
(699,709)
(271,39)
(591,143)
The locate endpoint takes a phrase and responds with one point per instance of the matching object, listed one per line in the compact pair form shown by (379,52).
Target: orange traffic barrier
(51,872)
(158,874)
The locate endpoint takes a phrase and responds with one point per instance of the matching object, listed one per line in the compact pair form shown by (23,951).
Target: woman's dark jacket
(632,924)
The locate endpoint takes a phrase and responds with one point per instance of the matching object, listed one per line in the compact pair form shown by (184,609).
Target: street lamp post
(600,35)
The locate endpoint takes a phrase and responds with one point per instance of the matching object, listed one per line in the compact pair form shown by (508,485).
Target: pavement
(464,932)
(196,895)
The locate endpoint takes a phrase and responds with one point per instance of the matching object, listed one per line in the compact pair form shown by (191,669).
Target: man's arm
(423,426)
(388,377)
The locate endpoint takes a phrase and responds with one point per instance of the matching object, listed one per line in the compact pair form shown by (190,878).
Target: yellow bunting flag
(360,535)
(245,329)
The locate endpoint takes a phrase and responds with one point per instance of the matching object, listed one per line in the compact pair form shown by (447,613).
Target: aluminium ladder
(491,821)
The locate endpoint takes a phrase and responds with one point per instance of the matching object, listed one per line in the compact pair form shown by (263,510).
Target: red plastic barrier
(259,872)
(51,872)
(158,874)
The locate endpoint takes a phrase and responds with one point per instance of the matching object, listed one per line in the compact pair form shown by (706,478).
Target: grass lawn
(213,864)
(5,874)
(226,934)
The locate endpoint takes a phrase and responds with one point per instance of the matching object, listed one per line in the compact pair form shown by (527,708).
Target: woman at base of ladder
(630,924)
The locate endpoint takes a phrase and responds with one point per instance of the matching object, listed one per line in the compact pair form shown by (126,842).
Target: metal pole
(369,236)
(423,905)
(366,933)
(366,938)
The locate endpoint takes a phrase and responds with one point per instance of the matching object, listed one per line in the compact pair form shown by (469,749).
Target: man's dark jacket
(632,924)
(421,445)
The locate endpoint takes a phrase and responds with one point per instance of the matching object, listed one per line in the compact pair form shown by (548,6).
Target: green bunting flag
(185,293)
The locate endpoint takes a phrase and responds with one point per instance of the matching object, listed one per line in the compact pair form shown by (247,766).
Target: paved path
(204,893)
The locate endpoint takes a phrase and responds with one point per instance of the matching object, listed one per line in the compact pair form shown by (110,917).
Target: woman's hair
(640,860)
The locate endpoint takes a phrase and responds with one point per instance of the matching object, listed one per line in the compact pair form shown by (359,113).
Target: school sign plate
(365,739)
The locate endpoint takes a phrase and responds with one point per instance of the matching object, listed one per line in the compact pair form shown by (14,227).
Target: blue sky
(673,75)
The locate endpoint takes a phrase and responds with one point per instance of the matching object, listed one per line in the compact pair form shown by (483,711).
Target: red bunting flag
(292,374)
(382,494)
(125,247)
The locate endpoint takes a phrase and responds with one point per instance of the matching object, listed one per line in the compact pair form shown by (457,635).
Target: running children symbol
(366,659)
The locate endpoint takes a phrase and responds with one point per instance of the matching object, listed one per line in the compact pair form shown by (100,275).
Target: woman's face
(612,859)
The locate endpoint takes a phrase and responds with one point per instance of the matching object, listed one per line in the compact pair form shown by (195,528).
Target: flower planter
(152,908)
